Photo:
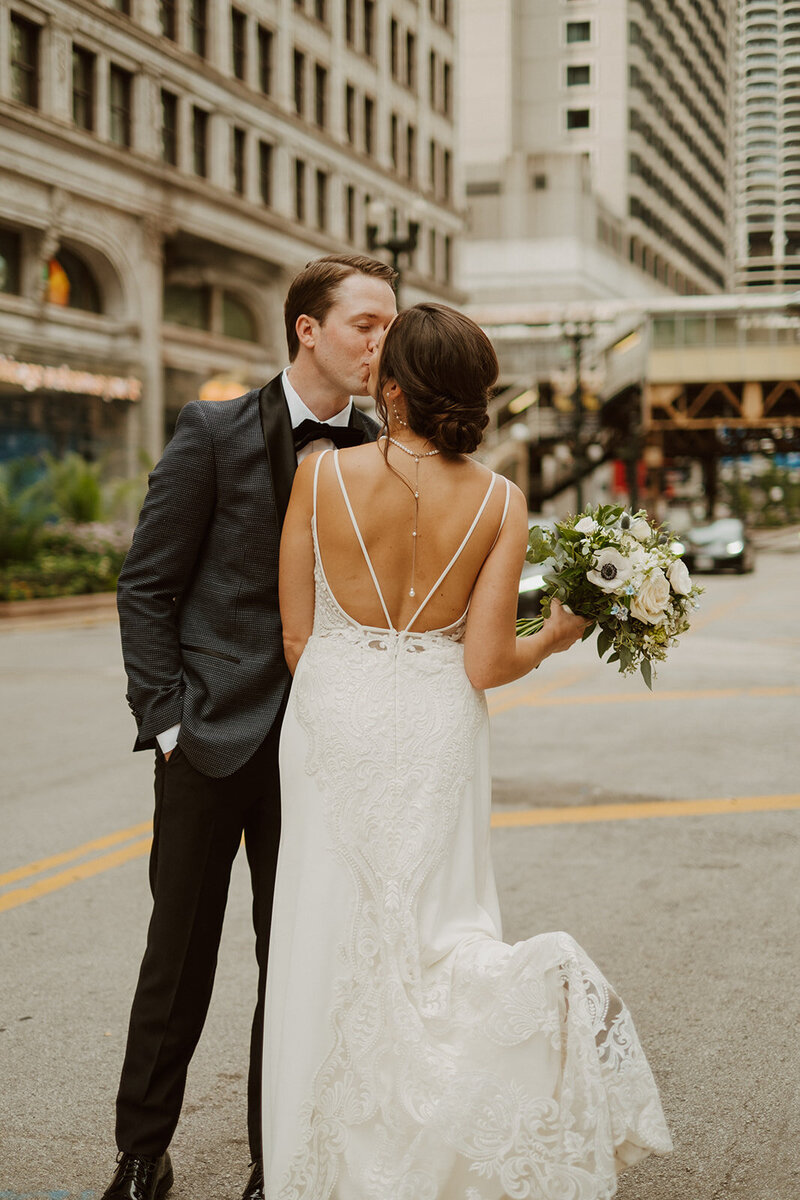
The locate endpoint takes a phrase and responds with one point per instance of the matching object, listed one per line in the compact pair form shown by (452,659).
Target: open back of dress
(410,1054)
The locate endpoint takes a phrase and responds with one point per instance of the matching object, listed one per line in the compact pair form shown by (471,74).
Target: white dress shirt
(298,412)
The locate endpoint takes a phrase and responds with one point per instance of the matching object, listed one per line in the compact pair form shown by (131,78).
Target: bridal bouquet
(618,571)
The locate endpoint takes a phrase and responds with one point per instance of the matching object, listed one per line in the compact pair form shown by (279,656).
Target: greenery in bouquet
(619,572)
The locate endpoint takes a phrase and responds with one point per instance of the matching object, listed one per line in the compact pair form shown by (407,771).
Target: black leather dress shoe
(255,1184)
(138,1177)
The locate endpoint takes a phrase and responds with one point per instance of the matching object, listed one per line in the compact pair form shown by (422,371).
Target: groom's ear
(306,329)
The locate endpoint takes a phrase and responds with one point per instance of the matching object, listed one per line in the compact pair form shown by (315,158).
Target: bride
(411,1054)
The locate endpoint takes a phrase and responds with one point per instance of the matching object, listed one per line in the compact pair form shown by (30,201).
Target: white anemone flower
(612,570)
(586,525)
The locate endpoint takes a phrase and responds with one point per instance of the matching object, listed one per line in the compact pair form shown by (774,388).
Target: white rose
(611,570)
(650,602)
(679,577)
(640,529)
(586,525)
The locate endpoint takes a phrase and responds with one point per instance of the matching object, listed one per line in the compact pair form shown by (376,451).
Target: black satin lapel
(279,442)
(359,420)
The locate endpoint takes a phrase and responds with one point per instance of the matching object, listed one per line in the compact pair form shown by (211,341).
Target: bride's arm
(493,654)
(296,569)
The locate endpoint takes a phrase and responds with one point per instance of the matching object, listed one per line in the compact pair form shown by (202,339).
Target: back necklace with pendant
(416,457)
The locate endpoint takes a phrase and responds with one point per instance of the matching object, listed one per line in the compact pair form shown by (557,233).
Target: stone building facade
(165,168)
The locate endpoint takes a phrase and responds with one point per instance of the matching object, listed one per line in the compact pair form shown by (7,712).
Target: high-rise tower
(635,95)
(768,144)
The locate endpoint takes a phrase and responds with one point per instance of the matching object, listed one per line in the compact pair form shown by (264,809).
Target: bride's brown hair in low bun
(445,366)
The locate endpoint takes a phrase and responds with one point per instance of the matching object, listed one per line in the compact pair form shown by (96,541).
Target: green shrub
(22,512)
(71,561)
(71,486)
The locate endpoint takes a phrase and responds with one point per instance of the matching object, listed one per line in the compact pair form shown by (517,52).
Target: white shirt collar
(299,412)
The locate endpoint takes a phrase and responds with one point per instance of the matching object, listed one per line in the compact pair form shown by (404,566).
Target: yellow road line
(52,883)
(536,699)
(515,819)
(57,860)
(643,809)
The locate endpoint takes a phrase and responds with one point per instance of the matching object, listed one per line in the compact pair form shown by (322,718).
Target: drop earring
(397,416)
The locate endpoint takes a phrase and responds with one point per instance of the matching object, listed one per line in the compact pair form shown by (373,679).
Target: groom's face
(346,340)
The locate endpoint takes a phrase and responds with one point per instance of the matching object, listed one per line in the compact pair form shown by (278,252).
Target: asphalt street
(660,830)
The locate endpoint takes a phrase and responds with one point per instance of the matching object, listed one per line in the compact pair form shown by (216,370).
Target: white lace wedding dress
(410,1054)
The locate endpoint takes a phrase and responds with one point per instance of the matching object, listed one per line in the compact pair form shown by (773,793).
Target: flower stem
(527,627)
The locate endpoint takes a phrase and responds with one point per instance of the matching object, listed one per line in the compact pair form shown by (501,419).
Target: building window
(578,118)
(83,65)
(185,305)
(70,283)
(299,67)
(320,12)
(199,23)
(432,255)
(579,31)
(540,183)
(350,213)
(448,259)
(237,320)
(238,147)
(122,6)
(10,261)
(322,200)
(25,61)
(168,18)
(265,172)
(369,125)
(300,189)
(433,91)
(447,99)
(239,43)
(394,140)
(394,48)
(169,127)
(350,22)
(350,113)
(579,76)
(369,28)
(411,61)
(432,157)
(447,172)
(411,153)
(265,51)
(200,141)
(320,96)
(120,89)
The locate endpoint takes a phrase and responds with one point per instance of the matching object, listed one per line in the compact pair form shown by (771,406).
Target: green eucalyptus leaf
(605,640)
(647,672)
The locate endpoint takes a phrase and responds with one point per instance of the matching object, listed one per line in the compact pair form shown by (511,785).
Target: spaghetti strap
(354,523)
(314,502)
(503,518)
(457,554)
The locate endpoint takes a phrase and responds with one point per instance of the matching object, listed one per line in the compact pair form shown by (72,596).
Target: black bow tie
(341,435)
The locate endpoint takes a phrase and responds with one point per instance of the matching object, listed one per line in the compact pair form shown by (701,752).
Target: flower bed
(70,560)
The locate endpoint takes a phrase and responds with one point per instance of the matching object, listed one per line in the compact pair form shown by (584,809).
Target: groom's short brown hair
(313,291)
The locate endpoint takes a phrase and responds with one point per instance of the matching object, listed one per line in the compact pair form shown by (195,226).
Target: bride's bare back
(451,492)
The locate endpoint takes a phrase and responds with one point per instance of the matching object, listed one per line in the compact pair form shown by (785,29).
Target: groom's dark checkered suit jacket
(198,593)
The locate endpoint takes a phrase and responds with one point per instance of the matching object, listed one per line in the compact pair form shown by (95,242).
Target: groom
(207,683)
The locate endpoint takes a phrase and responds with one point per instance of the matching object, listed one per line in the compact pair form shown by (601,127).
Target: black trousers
(198,828)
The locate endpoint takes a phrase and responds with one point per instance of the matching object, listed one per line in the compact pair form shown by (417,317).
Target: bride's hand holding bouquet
(621,574)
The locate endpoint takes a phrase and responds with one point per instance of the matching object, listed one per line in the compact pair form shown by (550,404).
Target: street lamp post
(577,334)
(394,243)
